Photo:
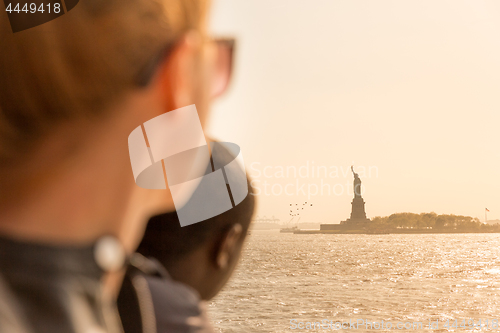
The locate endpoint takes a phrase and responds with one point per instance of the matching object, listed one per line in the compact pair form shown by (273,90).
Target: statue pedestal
(357,221)
(358,209)
(358,214)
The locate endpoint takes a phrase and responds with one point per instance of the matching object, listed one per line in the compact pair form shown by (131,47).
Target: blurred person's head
(202,255)
(71,91)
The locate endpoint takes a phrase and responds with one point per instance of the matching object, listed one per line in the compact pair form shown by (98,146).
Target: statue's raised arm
(354,173)
(356,183)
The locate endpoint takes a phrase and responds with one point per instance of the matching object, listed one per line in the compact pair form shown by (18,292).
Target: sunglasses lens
(223,67)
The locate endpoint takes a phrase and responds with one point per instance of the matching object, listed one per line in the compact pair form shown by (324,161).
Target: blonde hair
(76,65)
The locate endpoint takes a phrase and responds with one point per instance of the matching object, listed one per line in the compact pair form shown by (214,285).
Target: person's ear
(228,246)
(177,73)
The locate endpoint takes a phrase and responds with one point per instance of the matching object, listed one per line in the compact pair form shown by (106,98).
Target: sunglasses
(220,76)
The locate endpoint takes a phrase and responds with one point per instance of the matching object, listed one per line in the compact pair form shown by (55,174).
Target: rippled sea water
(394,278)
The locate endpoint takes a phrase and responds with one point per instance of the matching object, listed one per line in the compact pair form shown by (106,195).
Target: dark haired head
(165,240)
(207,248)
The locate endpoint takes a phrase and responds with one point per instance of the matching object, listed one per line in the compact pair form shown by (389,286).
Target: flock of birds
(299,208)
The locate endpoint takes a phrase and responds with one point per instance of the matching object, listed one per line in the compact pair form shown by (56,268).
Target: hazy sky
(408,88)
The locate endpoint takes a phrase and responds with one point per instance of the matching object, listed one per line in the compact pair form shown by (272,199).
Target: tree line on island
(431,221)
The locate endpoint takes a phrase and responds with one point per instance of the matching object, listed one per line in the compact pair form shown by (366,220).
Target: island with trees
(429,222)
(410,223)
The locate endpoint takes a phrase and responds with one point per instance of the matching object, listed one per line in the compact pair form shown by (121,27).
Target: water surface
(407,278)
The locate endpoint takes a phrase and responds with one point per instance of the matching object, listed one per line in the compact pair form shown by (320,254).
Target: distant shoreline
(409,223)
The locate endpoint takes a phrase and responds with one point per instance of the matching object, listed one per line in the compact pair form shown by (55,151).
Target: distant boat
(290,230)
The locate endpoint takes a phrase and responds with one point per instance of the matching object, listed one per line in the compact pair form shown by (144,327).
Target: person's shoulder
(176,306)
(175,296)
